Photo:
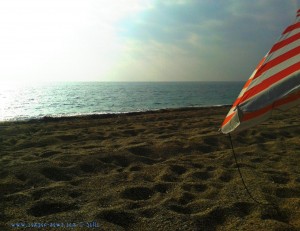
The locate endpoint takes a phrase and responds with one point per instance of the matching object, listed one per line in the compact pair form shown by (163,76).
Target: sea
(20,102)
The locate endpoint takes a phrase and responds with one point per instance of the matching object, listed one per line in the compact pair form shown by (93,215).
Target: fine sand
(165,170)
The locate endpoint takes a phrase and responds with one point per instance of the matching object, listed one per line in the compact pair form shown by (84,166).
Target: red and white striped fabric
(274,84)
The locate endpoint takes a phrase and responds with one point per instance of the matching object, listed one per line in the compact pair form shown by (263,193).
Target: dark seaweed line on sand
(111,115)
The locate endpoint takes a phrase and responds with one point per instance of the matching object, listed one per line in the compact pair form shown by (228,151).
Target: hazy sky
(137,40)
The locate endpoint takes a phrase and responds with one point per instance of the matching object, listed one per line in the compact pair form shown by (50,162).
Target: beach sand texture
(165,170)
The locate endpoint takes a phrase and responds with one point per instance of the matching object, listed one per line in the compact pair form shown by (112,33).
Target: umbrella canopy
(274,84)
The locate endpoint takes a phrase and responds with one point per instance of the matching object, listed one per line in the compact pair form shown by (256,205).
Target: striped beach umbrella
(274,84)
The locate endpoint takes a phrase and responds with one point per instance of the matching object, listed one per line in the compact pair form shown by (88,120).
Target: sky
(138,40)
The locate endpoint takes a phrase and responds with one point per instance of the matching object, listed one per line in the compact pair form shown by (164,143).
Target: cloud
(209,40)
(143,40)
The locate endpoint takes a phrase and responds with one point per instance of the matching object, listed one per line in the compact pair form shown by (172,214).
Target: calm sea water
(22,102)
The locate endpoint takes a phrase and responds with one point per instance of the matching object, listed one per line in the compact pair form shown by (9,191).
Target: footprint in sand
(135,168)
(178,169)
(279,179)
(118,160)
(195,165)
(211,141)
(185,198)
(39,193)
(148,213)
(47,154)
(218,216)
(141,150)
(226,176)
(137,193)
(117,217)
(196,188)
(179,209)
(240,209)
(3,174)
(275,159)
(201,175)
(210,168)
(257,160)
(21,176)
(75,194)
(170,174)
(211,219)
(44,208)
(162,187)
(88,168)
(288,192)
(274,213)
(56,174)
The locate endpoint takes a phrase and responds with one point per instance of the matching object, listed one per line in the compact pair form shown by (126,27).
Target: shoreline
(110,114)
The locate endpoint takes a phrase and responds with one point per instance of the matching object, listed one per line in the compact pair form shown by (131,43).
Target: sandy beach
(164,170)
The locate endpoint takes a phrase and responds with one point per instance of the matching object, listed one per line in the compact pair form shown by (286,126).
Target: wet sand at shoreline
(164,170)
